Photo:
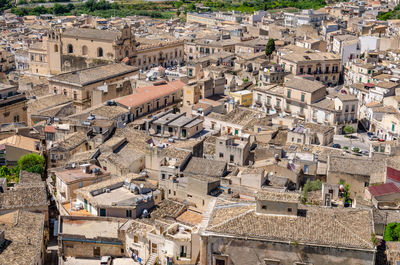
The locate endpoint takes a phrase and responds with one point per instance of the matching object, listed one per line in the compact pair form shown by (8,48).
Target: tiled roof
(24,196)
(24,232)
(148,93)
(384,189)
(92,34)
(303,84)
(205,167)
(94,74)
(279,196)
(343,228)
(21,142)
(393,174)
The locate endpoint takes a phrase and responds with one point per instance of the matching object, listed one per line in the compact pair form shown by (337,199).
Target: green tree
(392,232)
(348,129)
(270,48)
(5,172)
(32,163)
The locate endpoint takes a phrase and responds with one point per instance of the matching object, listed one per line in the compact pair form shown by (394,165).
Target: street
(360,142)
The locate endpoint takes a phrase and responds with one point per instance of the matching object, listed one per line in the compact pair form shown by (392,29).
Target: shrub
(392,232)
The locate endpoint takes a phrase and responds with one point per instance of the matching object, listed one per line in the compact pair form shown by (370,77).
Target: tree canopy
(348,129)
(270,47)
(32,163)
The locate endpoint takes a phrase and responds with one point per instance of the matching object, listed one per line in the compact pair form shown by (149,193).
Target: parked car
(336,146)
(106,260)
(381,140)
(374,138)
(370,134)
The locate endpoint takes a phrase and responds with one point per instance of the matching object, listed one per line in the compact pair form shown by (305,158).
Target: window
(309,70)
(299,140)
(289,210)
(231,158)
(80,184)
(264,207)
(305,169)
(100,52)
(65,92)
(162,176)
(129,213)
(221,155)
(16,118)
(70,48)
(289,92)
(84,50)
(302,97)
(353,108)
(135,239)
(55,48)
(102,212)
(75,95)
(347,108)
(393,127)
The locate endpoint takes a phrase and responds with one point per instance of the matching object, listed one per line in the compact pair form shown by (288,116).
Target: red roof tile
(387,188)
(49,129)
(148,93)
(393,174)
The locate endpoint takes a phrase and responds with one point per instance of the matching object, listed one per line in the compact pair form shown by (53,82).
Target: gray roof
(24,196)
(24,231)
(92,34)
(304,84)
(205,167)
(356,166)
(332,227)
(94,74)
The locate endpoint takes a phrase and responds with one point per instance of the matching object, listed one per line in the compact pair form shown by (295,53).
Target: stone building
(64,50)
(12,105)
(323,66)
(278,230)
(79,85)
(159,53)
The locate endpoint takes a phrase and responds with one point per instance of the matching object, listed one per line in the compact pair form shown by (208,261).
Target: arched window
(84,50)
(53,35)
(126,53)
(55,48)
(70,48)
(99,52)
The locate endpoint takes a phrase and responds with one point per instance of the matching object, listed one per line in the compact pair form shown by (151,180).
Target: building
(311,133)
(12,105)
(296,97)
(235,151)
(336,110)
(323,66)
(72,49)
(16,146)
(70,179)
(90,237)
(6,61)
(23,233)
(285,232)
(305,17)
(60,151)
(159,53)
(148,99)
(128,197)
(79,85)
(176,126)
(242,97)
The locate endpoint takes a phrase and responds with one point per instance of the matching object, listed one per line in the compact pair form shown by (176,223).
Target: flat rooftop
(91,228)
(119,196)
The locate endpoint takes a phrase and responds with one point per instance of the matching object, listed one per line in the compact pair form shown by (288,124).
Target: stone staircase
(152,259)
